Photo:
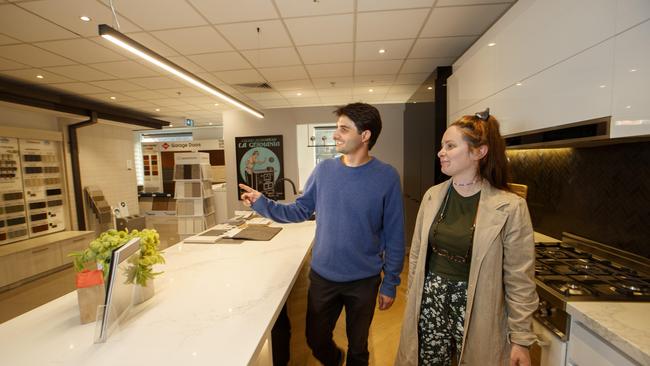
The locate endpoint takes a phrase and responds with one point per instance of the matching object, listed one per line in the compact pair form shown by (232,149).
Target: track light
(143,52)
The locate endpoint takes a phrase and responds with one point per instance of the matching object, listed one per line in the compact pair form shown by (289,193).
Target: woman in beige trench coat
(500,290)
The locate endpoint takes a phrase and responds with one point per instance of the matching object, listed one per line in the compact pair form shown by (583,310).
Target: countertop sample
(626,325)
(215,304)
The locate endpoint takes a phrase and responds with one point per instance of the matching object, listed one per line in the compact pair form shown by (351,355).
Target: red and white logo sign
(165,146)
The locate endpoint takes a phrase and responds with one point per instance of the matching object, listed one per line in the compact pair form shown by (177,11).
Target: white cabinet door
(630,107)
(588,349)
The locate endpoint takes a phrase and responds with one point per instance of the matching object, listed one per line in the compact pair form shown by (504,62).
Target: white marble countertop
(214,305)
(626,325)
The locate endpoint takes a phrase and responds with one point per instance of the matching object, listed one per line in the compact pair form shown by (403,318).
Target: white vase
(143,293)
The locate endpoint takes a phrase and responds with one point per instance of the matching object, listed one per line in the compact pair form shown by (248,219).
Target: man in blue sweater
(359,235)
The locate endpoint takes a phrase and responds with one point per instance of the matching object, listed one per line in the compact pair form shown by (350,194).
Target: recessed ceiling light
(298,94)
(602,86)
(371,90)
(492,44)
(40,76)
(113,98)
(157,109)
(628,106)
(632,70)
(210,123)
(85,18)
(171,125)
(382,51)
(518,84)
(430,88)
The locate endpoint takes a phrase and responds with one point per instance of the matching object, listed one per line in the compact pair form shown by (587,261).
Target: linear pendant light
(107,32)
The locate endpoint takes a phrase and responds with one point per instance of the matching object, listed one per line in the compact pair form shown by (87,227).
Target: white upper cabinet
(631,89)
(551,62)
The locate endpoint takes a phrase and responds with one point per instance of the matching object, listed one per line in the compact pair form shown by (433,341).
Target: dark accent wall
(602,193)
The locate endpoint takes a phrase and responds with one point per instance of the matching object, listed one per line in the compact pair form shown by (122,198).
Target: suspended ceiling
(310,53)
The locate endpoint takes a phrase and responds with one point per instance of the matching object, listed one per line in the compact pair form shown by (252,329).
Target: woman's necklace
(466,184)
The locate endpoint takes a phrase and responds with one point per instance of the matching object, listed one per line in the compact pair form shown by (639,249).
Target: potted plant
(141,270)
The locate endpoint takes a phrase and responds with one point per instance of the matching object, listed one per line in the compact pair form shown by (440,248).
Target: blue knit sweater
(359,221)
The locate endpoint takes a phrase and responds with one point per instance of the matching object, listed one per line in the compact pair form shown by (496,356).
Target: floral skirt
(442,315)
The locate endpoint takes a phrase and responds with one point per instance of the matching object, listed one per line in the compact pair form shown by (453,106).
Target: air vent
(255,85)
(580,133)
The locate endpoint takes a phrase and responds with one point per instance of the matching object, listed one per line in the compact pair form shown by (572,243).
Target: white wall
(103,153)
(389,147)
(23,118)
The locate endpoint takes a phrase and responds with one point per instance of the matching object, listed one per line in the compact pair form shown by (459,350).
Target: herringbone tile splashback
(602,193)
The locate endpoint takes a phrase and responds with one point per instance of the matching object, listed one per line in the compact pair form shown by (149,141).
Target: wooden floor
(384,333)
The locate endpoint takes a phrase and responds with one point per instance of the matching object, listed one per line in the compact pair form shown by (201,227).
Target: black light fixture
(116,37)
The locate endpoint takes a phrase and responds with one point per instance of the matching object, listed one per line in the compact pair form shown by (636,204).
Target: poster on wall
(260,164)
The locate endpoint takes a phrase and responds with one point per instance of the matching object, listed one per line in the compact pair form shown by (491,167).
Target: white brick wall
(103,154)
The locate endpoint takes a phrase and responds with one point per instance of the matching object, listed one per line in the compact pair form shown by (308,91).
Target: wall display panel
(193,193)
(13,214)
(43,186)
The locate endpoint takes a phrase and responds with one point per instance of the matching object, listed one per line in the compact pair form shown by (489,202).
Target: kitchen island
(214,305)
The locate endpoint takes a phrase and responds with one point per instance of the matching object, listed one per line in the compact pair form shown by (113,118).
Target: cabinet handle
(40,250)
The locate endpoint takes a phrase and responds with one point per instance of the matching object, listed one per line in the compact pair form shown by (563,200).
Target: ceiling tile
(377,67)
(305,102)
(293,8)
(32,56)
(339,82)
(189,41)
(416,65)
(412,78)
(376,91)
(369,51)
(284,73)
(168,102)
(79,88)
(396,98)
(25,26)
(443,22)
(159,14)
(144,94)
(272,57)
(326,53)
(10,65)
(107,97)
(117,85)
(7,40)
(220,61)
(292,85)
(240,76)
(224,11)
(66,13)
(336,101)
(279,103)
(125,69)
(441,47)
(299,94)
(323,29)
(178,92)
(264,96)
(29,75)
(369,5)
(397,24)
(334,92)
(148,41)
(470,2)
(82,50)
(244,36)
(374,80)
(404,89)
(327,70)
(186,64)
(80,73)
(158,82)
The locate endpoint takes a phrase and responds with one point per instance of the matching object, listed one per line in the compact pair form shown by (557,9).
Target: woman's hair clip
(483,115)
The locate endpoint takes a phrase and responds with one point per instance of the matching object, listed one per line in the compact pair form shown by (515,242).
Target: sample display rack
(193,193)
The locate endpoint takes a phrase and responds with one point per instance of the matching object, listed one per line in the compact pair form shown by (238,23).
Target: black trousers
(325,301)
(281,339)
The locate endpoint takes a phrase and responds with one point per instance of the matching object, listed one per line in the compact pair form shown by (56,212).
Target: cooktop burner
(575,274)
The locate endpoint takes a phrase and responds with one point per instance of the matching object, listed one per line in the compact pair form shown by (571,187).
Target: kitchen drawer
(589,349)
(73,245)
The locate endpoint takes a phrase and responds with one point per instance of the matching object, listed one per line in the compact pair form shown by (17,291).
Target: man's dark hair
(365,117)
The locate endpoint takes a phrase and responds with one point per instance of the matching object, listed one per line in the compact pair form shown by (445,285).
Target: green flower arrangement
(99,252)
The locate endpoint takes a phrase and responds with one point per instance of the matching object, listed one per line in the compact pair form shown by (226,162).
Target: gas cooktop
(572,271)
